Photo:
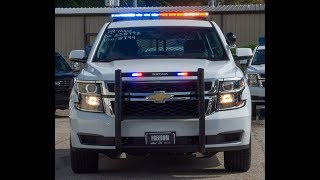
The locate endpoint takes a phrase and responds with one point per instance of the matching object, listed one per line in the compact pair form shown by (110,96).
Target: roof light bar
(181,15)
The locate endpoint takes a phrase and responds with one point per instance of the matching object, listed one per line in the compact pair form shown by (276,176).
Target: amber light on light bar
(186,14)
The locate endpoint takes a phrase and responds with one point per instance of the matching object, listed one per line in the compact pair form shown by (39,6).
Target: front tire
(238,161)
(84,162)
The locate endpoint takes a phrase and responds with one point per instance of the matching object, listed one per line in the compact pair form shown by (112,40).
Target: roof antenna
(112,3)
(213,3)
(135,4)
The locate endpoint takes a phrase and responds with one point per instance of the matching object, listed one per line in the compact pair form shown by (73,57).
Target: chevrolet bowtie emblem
(159,97)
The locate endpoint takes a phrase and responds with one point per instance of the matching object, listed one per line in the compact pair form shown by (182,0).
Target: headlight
(230,94)
(89,97)
(253,80)
(231,85)
(89,88)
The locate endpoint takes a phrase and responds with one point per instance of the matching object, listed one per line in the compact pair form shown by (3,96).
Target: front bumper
(257,94)
(164,149)
(95,130)
(62,99)
(217,123)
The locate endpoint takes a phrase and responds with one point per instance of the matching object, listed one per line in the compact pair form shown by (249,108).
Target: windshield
(160,42)
(258,57)
(61,64)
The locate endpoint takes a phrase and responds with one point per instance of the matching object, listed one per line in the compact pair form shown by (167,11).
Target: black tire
(238,161)
(84,162)
(253,111)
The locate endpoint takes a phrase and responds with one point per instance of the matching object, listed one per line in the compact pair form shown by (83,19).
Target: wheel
(238,161)
(253,111)
(84,162)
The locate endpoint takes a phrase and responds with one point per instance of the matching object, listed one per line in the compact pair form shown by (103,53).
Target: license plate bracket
(160,138)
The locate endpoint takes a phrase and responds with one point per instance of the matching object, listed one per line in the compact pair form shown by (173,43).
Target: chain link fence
(149,3)
(128,3)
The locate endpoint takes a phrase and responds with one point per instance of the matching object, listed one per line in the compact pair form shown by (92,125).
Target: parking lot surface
(157,167)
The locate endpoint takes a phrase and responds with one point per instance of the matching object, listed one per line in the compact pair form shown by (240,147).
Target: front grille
(181,140)
(97,140)
(167,110)
(64,82)
(143,87)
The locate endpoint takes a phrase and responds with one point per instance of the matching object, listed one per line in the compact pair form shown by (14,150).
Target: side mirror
(244,62)
(76,66)
(231,39)
(243,53)
(78,56)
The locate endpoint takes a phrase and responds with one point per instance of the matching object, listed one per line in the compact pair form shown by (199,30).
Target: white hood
(260,69)
(105,71)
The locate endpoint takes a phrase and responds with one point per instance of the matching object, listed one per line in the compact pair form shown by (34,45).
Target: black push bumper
(201,111)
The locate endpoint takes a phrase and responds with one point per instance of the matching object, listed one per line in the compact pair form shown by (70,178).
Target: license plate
(160,138)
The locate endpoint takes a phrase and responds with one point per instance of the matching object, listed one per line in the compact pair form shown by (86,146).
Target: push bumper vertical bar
(118,109)
(201,106)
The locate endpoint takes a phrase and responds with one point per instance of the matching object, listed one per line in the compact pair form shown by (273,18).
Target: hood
(105,71)
(64,74)
(260,69)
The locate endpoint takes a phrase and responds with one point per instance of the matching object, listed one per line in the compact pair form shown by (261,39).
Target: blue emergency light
(133,15)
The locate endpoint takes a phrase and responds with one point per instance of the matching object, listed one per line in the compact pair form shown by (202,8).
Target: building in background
(77,27)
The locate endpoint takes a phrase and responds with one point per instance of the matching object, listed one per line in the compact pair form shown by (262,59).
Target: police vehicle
(255,73)
(160,82)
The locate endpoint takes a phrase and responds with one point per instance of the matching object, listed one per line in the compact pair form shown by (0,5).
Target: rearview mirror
(78,56)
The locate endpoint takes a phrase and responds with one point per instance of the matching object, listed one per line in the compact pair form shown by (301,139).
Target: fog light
(226,98)
(93,100)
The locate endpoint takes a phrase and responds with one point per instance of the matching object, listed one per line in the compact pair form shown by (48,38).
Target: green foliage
(233,51)
(251,45)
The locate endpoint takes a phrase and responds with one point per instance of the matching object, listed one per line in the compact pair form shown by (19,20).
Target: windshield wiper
(110,59)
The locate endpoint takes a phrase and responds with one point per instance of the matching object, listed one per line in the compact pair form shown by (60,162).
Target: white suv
(160,86)
(255,73)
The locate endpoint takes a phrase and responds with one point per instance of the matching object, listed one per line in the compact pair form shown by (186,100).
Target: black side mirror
(75,66)
(231,39)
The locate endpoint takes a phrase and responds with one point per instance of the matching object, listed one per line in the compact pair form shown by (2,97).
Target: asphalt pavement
(157,167)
